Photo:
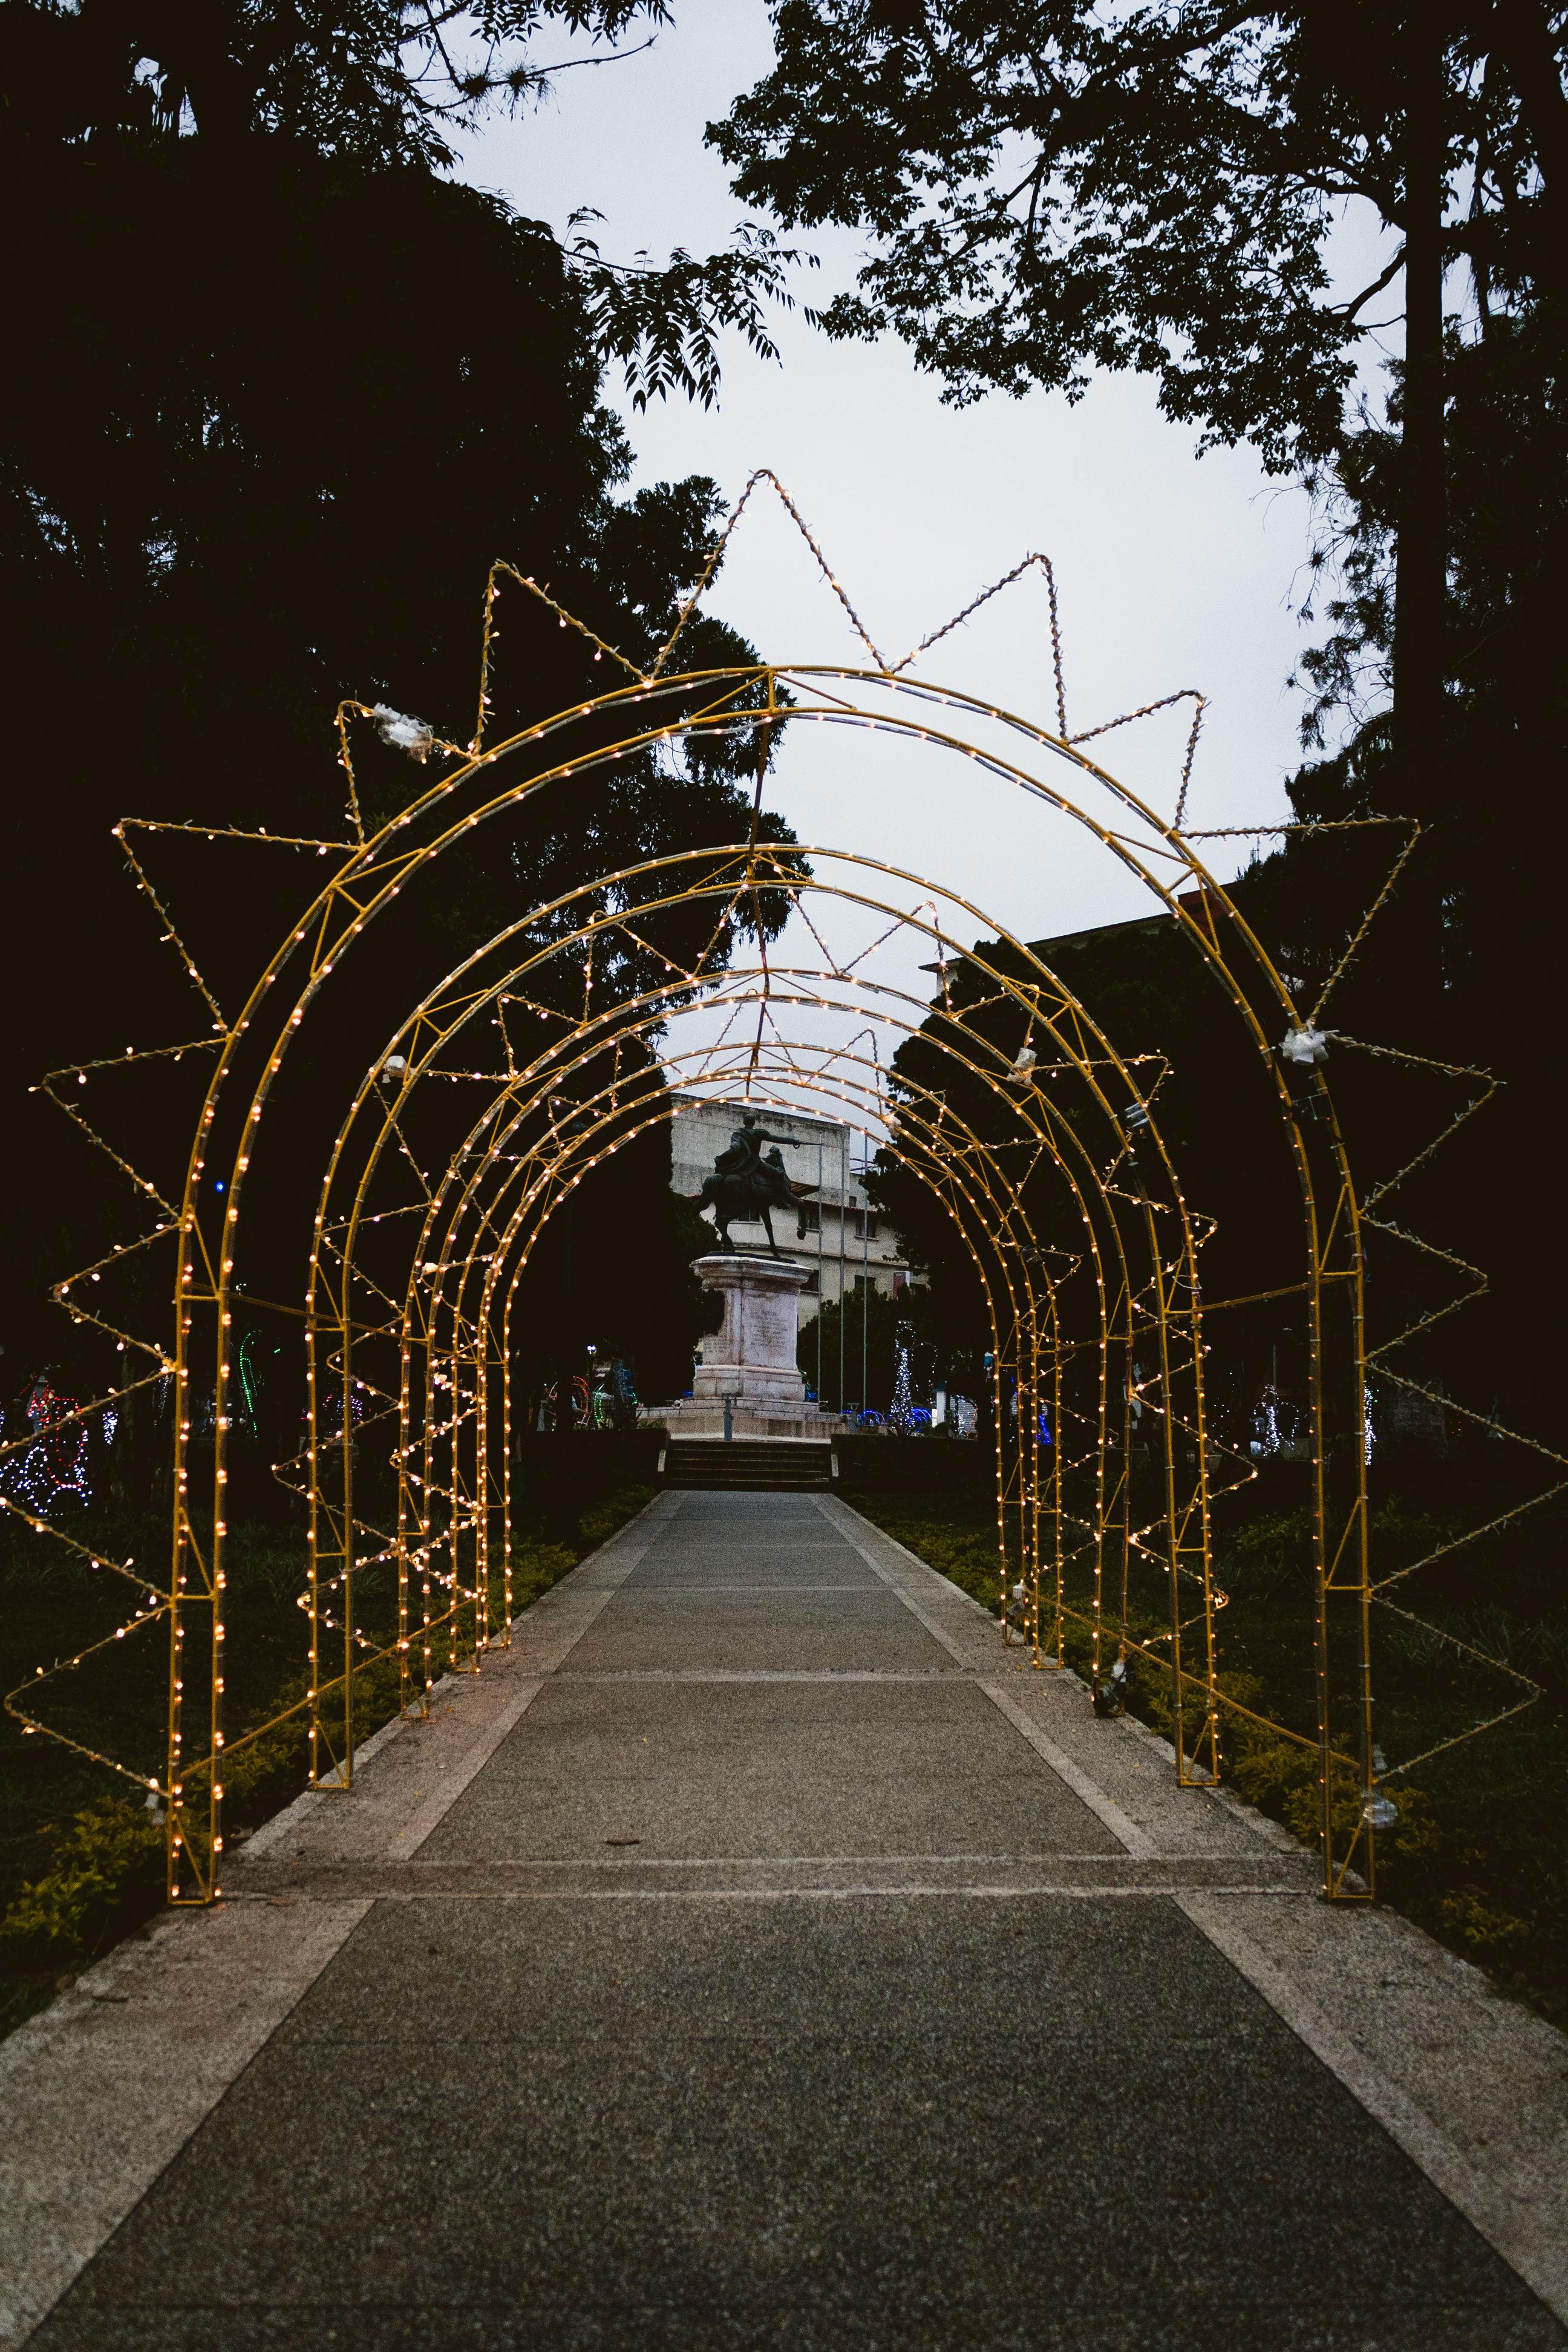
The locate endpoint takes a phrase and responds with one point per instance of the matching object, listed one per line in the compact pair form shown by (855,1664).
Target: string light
(53,1461)
(483,1213)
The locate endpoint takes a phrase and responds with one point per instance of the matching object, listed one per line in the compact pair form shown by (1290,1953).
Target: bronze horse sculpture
(745,1184)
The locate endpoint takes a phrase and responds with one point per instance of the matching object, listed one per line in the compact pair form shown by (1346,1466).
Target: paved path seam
(1106,1810)
(1516,2199)
(803,1892)
(781,1875)
(768,1673)
(662,1589)
(1516,2210)
(96,2107)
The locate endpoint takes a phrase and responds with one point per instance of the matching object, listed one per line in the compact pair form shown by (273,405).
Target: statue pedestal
(751,1359)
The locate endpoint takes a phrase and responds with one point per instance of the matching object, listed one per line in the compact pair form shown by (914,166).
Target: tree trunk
(1419,567)
(1522,38)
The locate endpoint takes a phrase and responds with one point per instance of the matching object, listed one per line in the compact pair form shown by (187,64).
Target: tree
(1151,993)
(1493,1000)
(868,1328)
(389,84)
(279,395)
(1053,187)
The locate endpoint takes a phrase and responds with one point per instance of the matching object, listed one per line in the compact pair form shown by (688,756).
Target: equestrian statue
(748,1182)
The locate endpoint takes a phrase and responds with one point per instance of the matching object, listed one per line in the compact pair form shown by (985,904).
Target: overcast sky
(1174,570)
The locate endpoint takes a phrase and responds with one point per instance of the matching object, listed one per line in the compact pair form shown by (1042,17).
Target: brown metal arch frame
(375,874)
(935,1162)
(473,1006)
(1030,1006)
(592,1138)
(595,1147)
(1183,1274)
(1342,1548)
(504,1254)
(608,1136)
(1340,1521)
(186,1534)
(473,1010)
(615,1021)
(420,1335)
(510,1251)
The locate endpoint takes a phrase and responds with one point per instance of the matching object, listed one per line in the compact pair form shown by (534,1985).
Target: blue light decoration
(56,1463)
(1042,1428)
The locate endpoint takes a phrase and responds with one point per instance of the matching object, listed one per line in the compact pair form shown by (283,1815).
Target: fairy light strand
(1024,1331)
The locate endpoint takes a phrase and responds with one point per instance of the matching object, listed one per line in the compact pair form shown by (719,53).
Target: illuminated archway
(423,1222)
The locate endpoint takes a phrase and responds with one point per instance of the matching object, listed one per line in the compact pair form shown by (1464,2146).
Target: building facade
(836,1236)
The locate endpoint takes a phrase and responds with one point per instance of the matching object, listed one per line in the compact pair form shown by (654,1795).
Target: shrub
(969,1561)
(107,1860)
(1274,1775)
(1270,1554)
(535,1567)
(105,1866)
(1489,1932)
(597,1525)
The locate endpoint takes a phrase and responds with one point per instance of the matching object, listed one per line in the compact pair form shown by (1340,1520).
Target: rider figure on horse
(746,1183)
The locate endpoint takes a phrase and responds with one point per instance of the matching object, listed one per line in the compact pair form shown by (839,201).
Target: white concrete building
(845,1242)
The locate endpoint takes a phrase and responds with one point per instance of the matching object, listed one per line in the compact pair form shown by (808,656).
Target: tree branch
(1347,311)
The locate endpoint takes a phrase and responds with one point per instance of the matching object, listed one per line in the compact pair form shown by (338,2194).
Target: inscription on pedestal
(752,1356)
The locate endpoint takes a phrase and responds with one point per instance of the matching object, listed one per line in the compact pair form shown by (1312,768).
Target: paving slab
(720,2124)
(796,1629)
(693,1769)
(757,1953)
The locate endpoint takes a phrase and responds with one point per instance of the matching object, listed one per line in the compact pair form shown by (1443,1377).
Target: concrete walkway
(757,1955)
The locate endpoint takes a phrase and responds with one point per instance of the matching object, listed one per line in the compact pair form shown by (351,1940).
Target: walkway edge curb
(1521,2211)
(1513,2222)
(96,2106)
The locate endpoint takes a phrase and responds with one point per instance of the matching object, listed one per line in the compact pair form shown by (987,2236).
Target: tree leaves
(385,84)
(1053,187)
(663,322)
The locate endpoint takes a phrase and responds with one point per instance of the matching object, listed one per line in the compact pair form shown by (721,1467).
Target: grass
(1478,1856)
(82,1852)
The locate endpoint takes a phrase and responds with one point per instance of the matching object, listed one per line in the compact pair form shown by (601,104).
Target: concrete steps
(739,1464)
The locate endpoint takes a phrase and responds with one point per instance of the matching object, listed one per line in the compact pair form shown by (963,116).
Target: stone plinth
(687,1419)
(751,1357)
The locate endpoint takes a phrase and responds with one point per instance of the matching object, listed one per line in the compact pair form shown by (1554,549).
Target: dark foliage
(1467,968)
(278,396)
(384,84)
(1057,188)
(1051,190)
(1151,993)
